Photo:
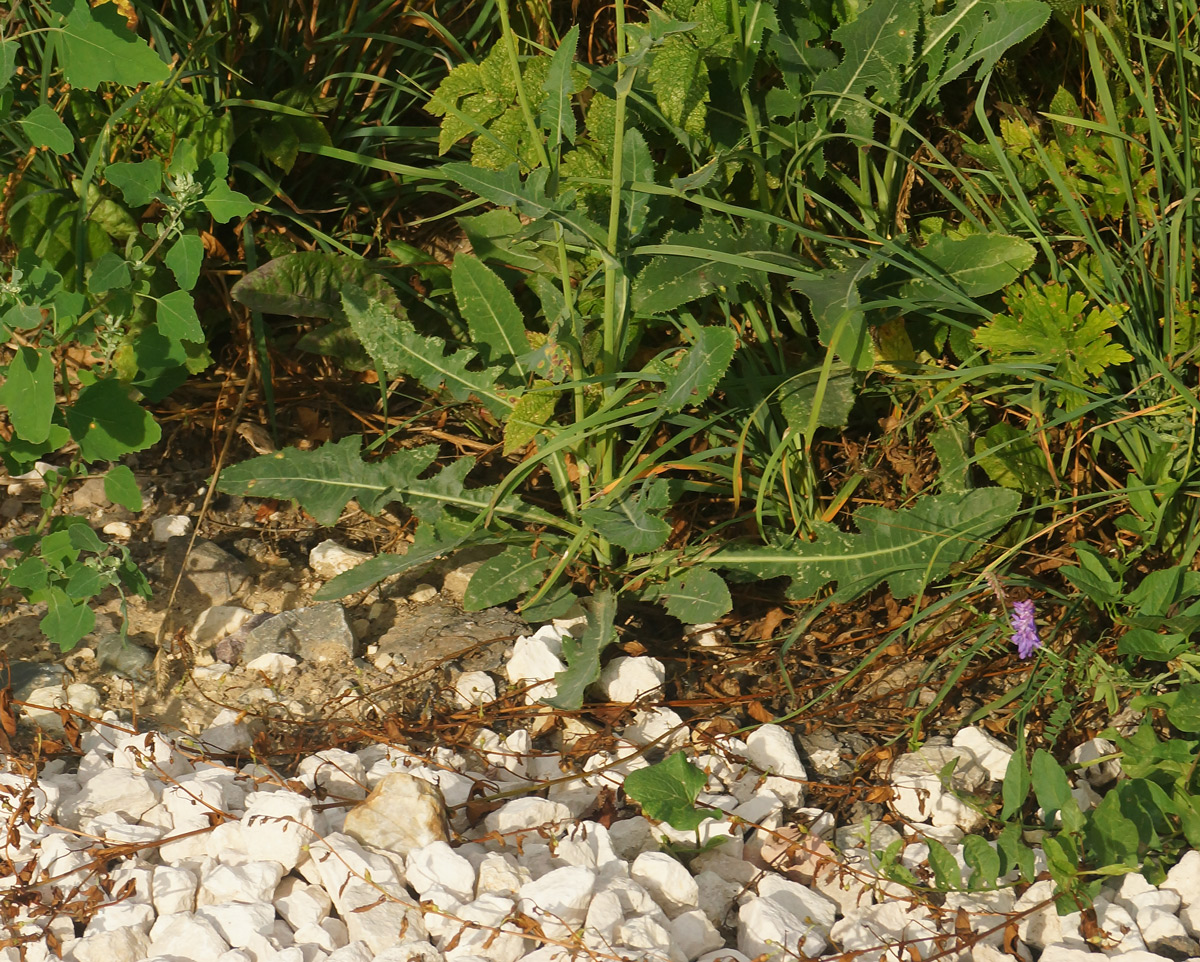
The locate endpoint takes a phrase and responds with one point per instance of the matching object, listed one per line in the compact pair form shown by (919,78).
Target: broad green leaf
(1150,645)
(97,45)
(947,874)
(628,525)
(8,61)
(983,860)
(176,318)
(528,416)
(797,397)
(908,547)
(668,791)
(877,47)
(107,423)
(1049,783)
(496,325)
(506,576)
(109,272)
(557,117)
(30,575)
(556,603)
(28,393)
(324,480)
(138,183)
(695,268)
(1012,459)
(583,655)
(84,538)
(184,258)
(1184,714)
(1016,786)
(694,597)
(310,284)
(704,364)
(84,581)
(396,346)
(66,622)
(45,128)
(950,444)
(978,264)
(121,487)
(226,204)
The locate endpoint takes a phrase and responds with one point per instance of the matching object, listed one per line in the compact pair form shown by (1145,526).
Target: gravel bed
(157,849)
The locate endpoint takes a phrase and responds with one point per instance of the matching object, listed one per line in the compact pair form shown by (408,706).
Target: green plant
(97,301)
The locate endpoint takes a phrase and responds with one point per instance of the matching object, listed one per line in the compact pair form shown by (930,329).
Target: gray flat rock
(212,575)
(319,633)
(427,634)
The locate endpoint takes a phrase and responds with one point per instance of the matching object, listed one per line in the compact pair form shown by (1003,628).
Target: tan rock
(401,814)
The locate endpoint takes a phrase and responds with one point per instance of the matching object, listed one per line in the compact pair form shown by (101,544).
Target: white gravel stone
(474,688)
(336,772)
(402,813)
(535,660)
(330,559)
(527,814)
(248,882)
(273,664)
(1184,878)
(170,526)
(772,749)
(918,792)
(558,901)
(668,882)
(767,928)
(990,753)
(186,937)
(484,934)
(661,727)
(43,704)
(241,924)
(119,945)
(277,826)
(118,529)
(632,678)
(231,731)
(438,864)
(694,934)
(217,622)
(300,903)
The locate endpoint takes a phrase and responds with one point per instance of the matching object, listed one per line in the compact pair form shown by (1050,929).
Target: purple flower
(1024,627)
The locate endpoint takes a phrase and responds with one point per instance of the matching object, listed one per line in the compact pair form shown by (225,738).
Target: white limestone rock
(277,826)
(535,660)
(401,814)
(437,864)
(186,937)
(170,526)
(668,882)
(991,754)
(474,688)
(772,749)
(558,901)
(330,559)
(918,793)
(632,678)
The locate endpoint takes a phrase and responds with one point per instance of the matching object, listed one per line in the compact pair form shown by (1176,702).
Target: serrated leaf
(66,622)
(120,487)
(323,481)
(977,32)
(395,345)
(97,45)
(583,655)
(45,128)
(557,117)
(694,597)
(176,317)
(138,183)
(506,576)
(310,284)
(800,394)
(637,166)
(628,525)
(877,46)
(668,791)
(528,416)
(490,311)
(836,305)
(679,78)
(704,364)
(978,264)
(1012,459)
(949,443)
(107,423)
(109,272)
(669,281)
(28,392)
(909,547)
(184,258)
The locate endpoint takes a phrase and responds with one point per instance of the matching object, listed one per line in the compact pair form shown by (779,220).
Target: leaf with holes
(507,575)
(310,284)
